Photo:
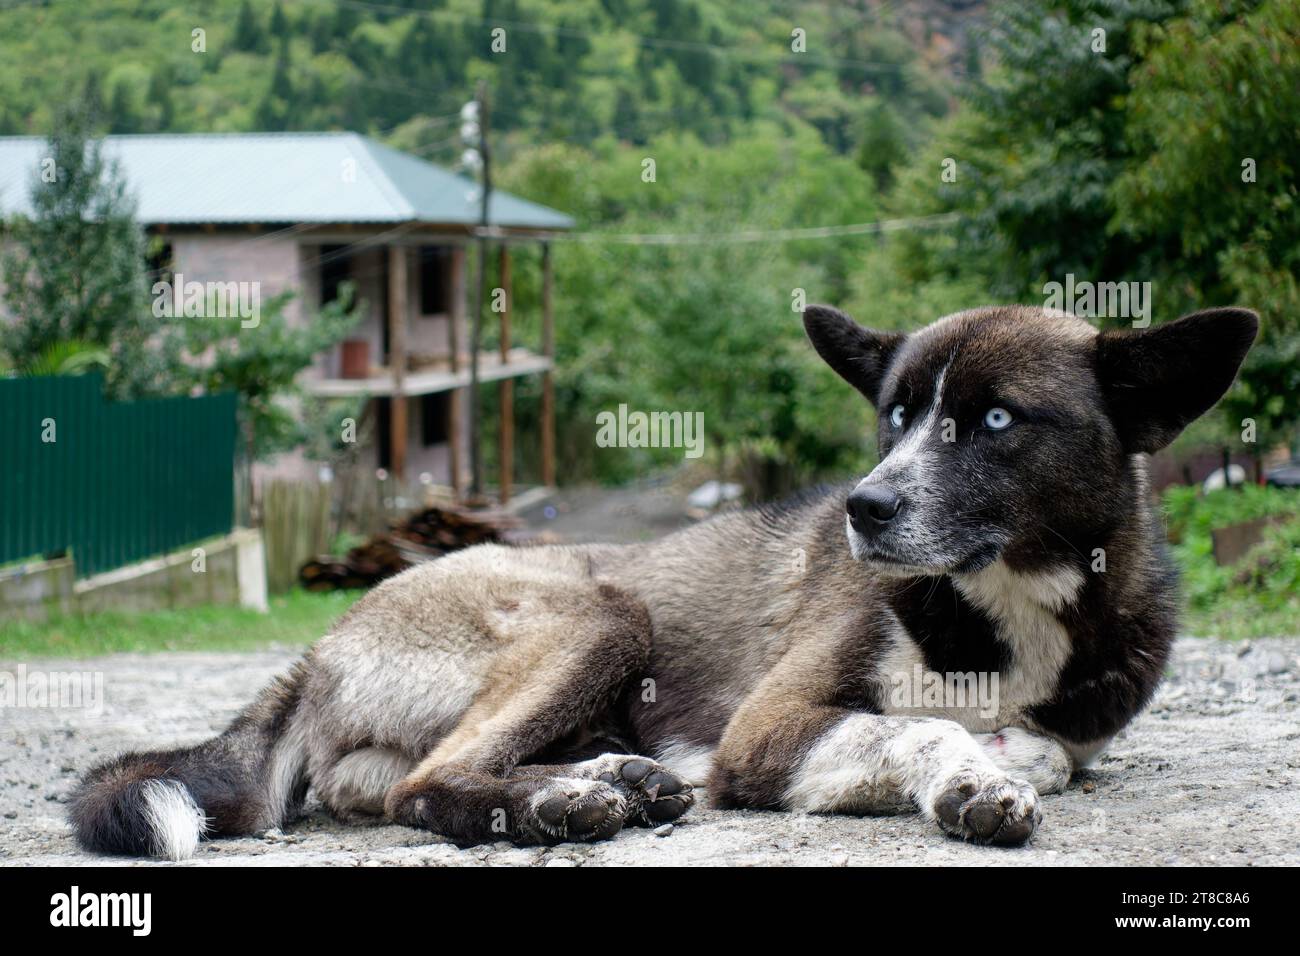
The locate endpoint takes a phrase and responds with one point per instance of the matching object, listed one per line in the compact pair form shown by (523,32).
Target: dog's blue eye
(997,418)
(896,416)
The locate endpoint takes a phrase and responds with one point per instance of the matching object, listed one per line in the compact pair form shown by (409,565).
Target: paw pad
(594,814)
(1002,812)
(656,795)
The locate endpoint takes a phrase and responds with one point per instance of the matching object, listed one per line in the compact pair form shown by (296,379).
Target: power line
(796,234)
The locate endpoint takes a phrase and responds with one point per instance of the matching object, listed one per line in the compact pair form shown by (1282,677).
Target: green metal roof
(218,178)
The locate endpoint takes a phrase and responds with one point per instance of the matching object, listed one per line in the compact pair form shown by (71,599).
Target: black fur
(1159,380)
(226,776)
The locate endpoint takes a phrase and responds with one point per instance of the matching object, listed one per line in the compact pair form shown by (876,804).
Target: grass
(1260,595)
(296,618)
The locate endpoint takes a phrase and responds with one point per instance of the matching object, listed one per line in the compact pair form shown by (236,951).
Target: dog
(556,693)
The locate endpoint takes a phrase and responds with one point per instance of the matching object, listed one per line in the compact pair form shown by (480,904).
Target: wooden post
(506,387)
(397,316)
(455,316)
(548,383)
(480,291)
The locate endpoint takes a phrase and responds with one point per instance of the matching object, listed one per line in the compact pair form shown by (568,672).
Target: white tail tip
(175,821)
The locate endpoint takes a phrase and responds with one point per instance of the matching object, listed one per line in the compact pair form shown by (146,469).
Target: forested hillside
(572,70)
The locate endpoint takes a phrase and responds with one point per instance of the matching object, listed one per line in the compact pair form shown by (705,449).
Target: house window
(433,418)
(433,280)
(434,411)
(159,261)
(333,271)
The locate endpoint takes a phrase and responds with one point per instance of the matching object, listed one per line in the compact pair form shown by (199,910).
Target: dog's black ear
(1159,380)
(860,356)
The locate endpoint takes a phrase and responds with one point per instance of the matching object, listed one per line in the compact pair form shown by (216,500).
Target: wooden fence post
(548,381)
(506,387)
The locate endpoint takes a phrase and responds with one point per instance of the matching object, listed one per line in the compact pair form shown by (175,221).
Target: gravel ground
(1208,775)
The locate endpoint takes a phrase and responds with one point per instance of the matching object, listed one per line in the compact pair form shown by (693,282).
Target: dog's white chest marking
(1023,608)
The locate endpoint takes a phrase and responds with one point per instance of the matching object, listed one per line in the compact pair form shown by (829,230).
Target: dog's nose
(872,505)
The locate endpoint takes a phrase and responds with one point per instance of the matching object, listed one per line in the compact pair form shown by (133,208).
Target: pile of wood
(423,536)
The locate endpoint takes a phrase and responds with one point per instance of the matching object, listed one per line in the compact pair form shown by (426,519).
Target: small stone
(560,861)
(1089,786)
(664,830)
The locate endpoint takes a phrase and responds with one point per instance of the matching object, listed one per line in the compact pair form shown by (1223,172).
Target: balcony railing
(437,377)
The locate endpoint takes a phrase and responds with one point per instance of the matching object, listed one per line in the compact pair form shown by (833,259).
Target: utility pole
(478,116)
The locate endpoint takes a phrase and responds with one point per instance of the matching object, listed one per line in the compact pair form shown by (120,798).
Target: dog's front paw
(574,809)
(999,810)
(654,793)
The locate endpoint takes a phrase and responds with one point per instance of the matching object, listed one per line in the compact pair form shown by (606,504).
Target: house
(307,211)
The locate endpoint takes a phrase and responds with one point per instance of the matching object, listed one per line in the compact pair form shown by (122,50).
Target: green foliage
(74,278)
(574,69)
(62,358)
(747,134)
(1127,165)
(705,327)
(261,363)
(1260,595)
(883,145)
(1115,165)
(73,272)
(1219,90)
(1037,149)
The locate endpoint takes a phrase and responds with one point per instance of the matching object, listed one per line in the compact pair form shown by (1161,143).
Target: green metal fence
(114,482)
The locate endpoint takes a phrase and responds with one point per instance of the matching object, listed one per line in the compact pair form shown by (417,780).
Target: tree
(1133,141)
(1212,118)
(279,22)
(262,363)
(75,281)
(276,107)
(1037,148)
(702,327)
(122,109)
(74,269)
(250,36)
(883,145)
(159,97)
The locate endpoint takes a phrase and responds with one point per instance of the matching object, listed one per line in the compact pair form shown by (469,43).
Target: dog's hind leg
(353,787)
(565,664)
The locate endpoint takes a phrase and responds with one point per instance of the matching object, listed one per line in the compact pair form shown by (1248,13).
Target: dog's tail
(162,802)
